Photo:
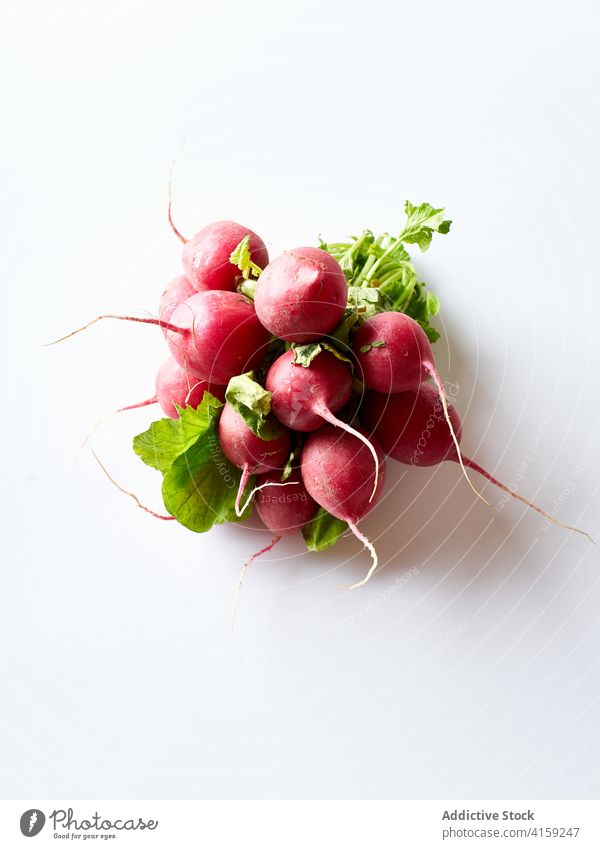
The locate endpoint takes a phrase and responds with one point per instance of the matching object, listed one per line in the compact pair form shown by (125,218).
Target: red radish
(394,355)
(175,386)
(217,336)
(249,452)
(405,358)
(411,427)
(206,255)
(213,335)
(178,290)
(282,513)
(301,295)
(338,473)
(303,397)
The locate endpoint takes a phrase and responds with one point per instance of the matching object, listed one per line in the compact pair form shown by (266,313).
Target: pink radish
(411,427)
(175,387)
(249,452)
(301,295)
(213,335)
(206,255)
(178,290)
(283,511)
(218,335)
(303,398)
(394,355)
(338,473)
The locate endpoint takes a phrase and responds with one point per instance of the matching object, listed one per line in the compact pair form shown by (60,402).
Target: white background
(478,676)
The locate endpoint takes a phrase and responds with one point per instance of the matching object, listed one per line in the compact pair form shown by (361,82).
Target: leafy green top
(253,403)
(383,264)
(199,483)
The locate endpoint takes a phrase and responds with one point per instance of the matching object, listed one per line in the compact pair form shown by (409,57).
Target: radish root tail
(326,414)
(170,209)
(471,464)
(146,403)
(130,494)
(442,393)
(236,598)
(255,490)
(243,484)
(368,544)
(164,324)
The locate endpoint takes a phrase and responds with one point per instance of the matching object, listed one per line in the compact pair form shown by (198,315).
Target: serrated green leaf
(200,488)
(253,403)
(432,304)
(241,257)
(166,439)
(323,531)
(422,222)
(305,354)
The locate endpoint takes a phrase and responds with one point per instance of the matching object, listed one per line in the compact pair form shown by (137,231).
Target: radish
(213,335)
(174,386)
(304,397)
(301,295)
(338,474)
(394,355)
(411,428)
(283,513)
(206,255)
(249,452)
(217,335)
(178,290)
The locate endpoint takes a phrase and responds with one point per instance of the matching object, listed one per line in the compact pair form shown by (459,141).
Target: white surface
(478,677)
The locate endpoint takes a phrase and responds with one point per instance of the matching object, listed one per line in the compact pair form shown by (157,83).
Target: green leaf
(200,488)
(241,257)
(323,531)
(365,300)
(421,223)
(305,354)
(432,304)
(253,404)
(166,439)
(378,344)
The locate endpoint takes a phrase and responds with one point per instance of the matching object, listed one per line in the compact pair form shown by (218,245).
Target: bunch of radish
(290,381)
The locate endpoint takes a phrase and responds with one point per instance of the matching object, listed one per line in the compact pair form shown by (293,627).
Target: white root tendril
(240,511)
(368,544)
(442,394)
